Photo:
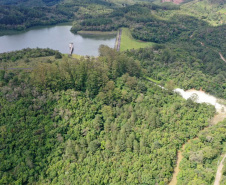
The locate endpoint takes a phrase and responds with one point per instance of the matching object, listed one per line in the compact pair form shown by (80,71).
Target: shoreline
(14,32)
(97,32)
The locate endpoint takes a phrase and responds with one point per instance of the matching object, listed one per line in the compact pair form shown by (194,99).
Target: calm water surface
(57,38)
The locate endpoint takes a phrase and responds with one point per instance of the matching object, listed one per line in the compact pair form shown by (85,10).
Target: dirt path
(220,116)
(176,170)
(219,172)
(222,57)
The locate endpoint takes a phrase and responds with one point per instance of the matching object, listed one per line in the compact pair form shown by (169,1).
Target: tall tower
(71,47)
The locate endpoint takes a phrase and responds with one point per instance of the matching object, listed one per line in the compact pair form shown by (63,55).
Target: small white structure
(71,47)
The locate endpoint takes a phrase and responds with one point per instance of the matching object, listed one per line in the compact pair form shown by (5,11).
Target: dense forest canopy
(106,120)
(200,156)
(95,114)
(29,2)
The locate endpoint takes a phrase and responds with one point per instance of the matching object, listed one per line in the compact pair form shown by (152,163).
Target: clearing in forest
(128,42)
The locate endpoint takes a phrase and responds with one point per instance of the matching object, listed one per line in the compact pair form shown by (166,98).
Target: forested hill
(110,15)
(90,121)
(187,49)
(29,3)
(107,120)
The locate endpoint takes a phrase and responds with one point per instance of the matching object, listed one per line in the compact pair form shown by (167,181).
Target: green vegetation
(223,179)
(21,15)
(207,10)
(103,120)
(30,3)
(21,18)
(129,16)
(152,80)
(28,58)
(187,64)
(98,114)
(202,156)
(128,42)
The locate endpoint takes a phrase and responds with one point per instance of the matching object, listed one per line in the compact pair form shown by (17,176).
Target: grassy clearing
(72,56)
(153,80)
(76,56)
(128,42)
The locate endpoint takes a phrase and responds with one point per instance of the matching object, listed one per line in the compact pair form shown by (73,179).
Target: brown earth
(219,172)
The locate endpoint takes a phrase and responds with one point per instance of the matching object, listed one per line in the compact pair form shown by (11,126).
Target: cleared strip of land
(222,57)
(176,170)
(118,40)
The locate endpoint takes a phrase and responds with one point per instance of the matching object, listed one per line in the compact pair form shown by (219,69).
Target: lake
(57,38)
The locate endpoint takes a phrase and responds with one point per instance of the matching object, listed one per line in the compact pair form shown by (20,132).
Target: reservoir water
(57,38)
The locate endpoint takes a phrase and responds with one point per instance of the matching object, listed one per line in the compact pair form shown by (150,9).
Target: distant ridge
(173,1)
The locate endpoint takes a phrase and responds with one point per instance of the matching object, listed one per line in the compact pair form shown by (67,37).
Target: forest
(21,18)
(93,121)
(108,119)
(200,156)
(187,64)
(187,48)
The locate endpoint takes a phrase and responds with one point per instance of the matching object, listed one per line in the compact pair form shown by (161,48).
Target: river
(57,38)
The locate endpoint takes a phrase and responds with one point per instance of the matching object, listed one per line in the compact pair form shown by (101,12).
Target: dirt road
(176,170)
(216,119)
(222,57)
(219,171)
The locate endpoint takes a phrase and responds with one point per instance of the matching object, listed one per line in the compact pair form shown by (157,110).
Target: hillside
(91,121)
(29,3)
(114,119)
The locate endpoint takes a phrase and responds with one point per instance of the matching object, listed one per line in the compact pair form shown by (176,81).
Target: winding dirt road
(220,116)
(176,170)
(219,172)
